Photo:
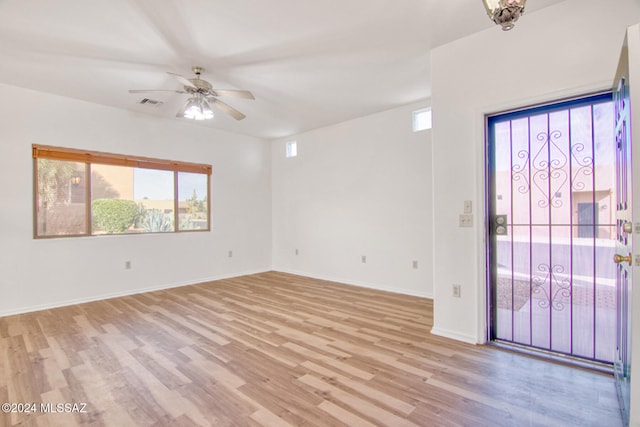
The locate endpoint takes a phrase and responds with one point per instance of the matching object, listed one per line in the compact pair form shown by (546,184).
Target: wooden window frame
(96,157)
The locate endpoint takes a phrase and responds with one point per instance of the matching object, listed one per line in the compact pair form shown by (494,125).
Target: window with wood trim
(83,193)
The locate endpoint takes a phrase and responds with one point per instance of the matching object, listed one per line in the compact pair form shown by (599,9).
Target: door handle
(627,227)
(621,258)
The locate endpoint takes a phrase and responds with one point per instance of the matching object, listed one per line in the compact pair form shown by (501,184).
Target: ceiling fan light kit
(197,108)
(504,12)
(202,96)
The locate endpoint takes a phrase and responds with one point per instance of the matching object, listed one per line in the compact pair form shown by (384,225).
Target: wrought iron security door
(551,232)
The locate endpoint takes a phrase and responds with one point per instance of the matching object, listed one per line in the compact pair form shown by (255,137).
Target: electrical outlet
(456,291)
(466,220)
(364,259)
(127,265)
(415,264)
(468,206)
(297,251)
(230,254)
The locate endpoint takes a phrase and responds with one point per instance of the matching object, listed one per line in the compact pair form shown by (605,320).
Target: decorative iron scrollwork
(551,287)
(548,164)
(550,169)
(584,166)
(519,172)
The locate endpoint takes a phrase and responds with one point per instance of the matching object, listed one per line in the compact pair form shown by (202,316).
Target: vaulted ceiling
(308,63)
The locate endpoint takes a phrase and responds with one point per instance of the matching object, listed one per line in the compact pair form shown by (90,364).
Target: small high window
(422,119)
(292,149)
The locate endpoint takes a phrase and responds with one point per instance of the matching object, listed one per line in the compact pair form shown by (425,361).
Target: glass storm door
(551,190)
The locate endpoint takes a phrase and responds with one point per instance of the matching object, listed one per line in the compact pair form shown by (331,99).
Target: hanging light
(504,12)
(197,108)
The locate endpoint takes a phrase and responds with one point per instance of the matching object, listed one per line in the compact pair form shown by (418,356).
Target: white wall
(568,49)
(50,272)
(362,187)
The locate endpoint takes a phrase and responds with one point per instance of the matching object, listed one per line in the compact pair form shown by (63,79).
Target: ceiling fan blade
(232,93)
(155,90)
(226,108)
(185,81)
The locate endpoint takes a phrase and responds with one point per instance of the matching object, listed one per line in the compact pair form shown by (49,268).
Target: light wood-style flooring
(274,349)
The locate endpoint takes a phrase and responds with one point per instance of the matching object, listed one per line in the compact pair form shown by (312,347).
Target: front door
(624,236)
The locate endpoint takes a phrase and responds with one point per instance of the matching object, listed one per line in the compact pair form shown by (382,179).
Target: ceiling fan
(202,96)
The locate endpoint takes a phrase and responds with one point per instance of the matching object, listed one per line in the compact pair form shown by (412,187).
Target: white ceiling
(309,63)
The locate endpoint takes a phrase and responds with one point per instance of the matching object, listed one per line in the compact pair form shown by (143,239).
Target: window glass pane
(60,198)
(131,200)
(292,149)
(154,193)
(421,120)
(192,201)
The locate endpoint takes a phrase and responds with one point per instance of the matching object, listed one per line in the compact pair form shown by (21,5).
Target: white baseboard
(469,339)
(357,283)
(101,297)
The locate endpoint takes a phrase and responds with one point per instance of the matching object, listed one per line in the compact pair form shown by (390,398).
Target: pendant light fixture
(504,12)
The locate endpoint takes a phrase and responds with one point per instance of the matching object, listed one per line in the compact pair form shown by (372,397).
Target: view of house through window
(61,206)
(155,196)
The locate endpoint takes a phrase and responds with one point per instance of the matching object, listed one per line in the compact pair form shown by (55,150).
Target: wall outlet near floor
(364,259)
(456,291)
(415,264)
(127,265)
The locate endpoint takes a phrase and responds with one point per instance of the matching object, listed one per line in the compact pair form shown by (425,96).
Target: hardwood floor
(274,349)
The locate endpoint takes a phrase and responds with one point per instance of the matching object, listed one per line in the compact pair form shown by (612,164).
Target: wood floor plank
(341,365)
(362,407)
(384,399)
(348,418)
(275,349)
(268,419)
